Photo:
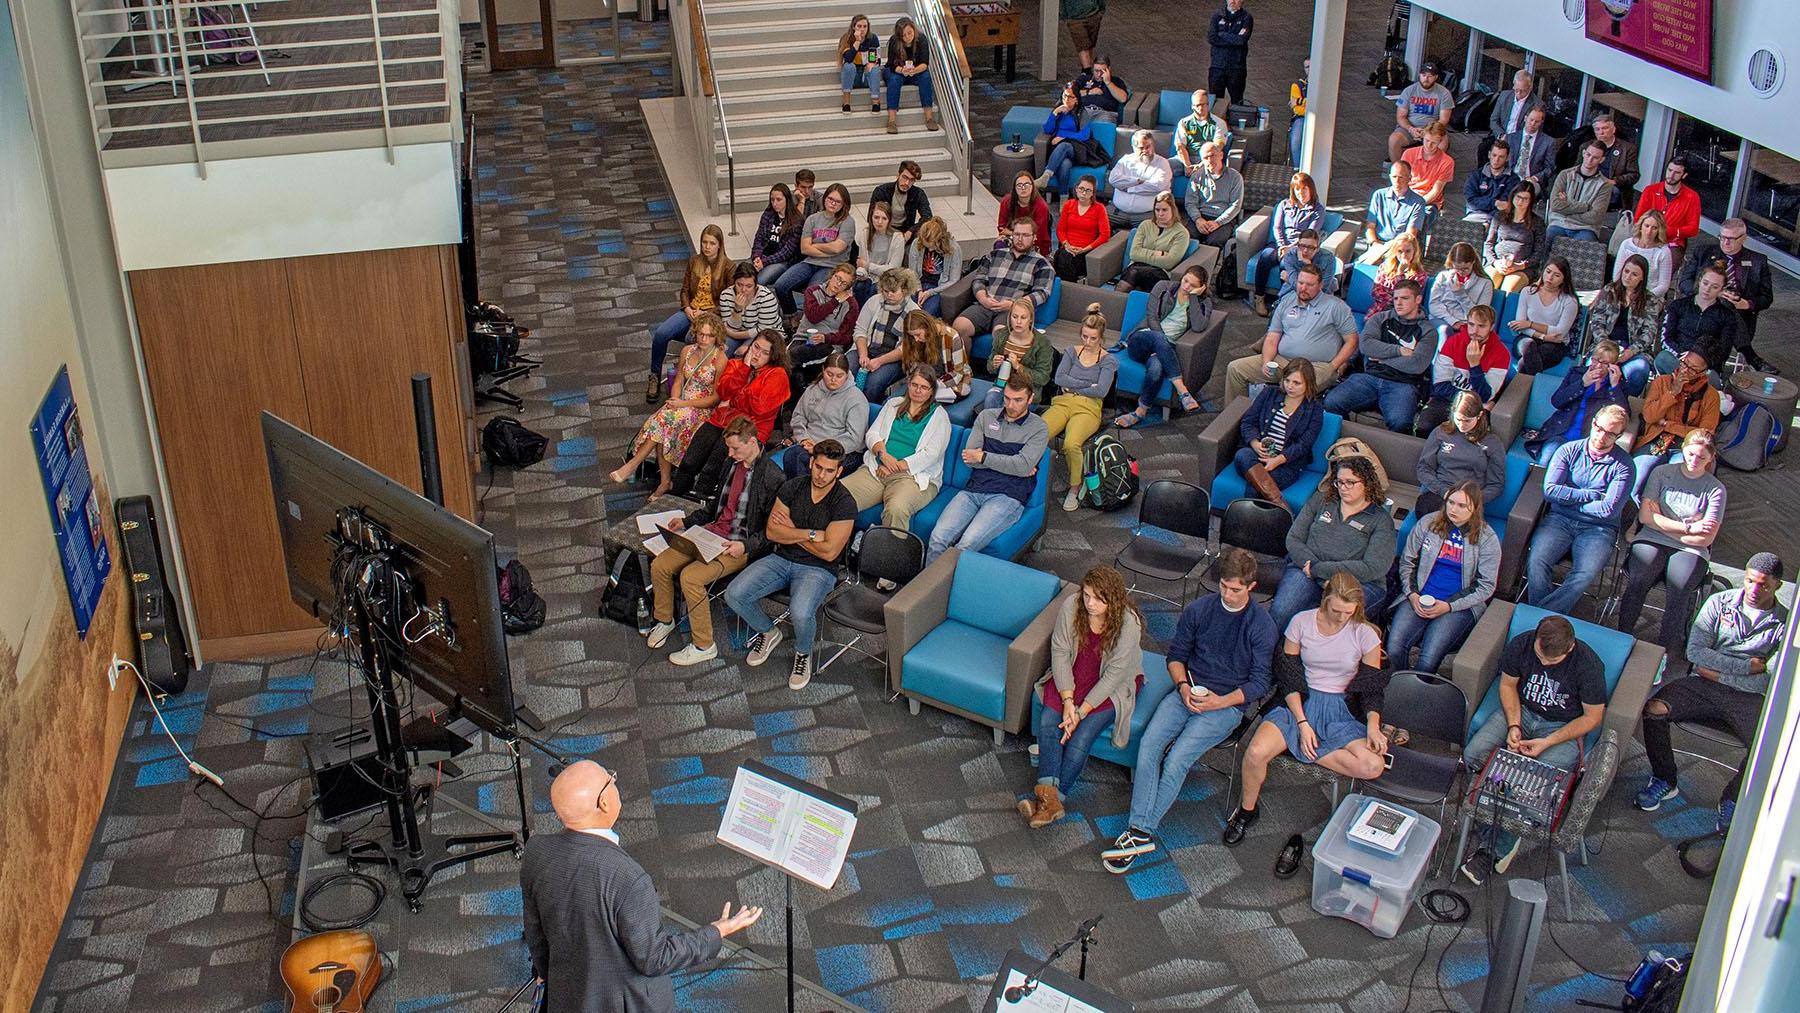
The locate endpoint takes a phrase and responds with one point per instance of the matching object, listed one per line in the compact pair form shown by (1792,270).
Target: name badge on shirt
(993,427)
(1325,518)
(1358,525)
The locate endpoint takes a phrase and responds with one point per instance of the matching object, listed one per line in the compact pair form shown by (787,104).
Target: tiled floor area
(585,246)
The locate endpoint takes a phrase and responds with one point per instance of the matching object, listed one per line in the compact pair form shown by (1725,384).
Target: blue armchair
(956,644)
(1157,685)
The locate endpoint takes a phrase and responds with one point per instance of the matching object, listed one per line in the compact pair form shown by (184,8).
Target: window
(1712,162)
(1771,205)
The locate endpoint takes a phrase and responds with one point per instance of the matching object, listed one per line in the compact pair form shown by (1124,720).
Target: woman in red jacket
(1024,202)
(754,386)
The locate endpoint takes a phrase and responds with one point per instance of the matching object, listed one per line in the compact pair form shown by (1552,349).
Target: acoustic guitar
(332,972)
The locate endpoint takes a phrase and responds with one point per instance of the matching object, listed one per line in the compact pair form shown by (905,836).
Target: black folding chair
(888,554)
(1260,528)
(1174,508)
(1430,707)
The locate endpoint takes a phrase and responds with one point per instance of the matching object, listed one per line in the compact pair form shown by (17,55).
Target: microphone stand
(1084,934)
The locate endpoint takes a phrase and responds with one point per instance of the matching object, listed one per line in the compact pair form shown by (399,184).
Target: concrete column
(1323,84)
(1415,37)
(1048,29)
(1472,62)
(1655,143)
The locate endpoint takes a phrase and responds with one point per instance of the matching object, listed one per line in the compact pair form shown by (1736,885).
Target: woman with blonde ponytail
(1085,376)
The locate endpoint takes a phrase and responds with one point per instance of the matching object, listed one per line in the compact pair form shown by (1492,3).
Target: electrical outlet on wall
(112,672)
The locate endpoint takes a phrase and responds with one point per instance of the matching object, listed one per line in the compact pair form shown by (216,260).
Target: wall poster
(69,487)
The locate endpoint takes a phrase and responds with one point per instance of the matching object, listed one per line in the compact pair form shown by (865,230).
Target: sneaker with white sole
(1071,502)
(1507,852)
(1118,866)
(693,654)
(1479,866)
(761,645)
(659,635)
(802,673)
(1655,793)
(1130,844)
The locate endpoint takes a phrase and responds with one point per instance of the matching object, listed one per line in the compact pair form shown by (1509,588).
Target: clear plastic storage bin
(1370,886)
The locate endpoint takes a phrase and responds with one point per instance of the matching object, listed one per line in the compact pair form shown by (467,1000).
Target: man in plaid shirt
(1016,270)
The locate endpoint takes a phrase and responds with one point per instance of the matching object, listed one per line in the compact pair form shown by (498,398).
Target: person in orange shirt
(1432,166)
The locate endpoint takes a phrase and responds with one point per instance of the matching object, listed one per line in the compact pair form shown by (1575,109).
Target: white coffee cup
(1427,601)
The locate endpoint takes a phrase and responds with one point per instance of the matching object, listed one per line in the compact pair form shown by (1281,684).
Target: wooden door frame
(519,59)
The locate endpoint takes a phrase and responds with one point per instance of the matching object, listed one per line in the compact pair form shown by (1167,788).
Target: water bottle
(1003,372)
(862,378)
(1639,985)
(643,615)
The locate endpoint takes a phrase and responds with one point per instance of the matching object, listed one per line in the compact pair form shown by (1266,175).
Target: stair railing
(950,77)
(697,66)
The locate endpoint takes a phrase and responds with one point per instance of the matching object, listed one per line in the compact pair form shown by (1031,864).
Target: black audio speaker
(346,772)
(162,654)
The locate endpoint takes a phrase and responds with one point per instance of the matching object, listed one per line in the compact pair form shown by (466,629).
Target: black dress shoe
(1238,825)
(1288,862)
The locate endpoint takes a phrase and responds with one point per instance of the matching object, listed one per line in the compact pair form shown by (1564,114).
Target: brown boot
(1049,807)
(1264,483)
(652,389)
(893,126)
(1027,808)
(930,122)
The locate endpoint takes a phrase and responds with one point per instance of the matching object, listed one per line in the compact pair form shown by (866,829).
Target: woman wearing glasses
(1344,528)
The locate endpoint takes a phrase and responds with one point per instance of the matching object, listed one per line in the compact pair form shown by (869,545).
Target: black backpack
(1391,74)
(521,608)
(509,444)
(626,596)
(1109,473)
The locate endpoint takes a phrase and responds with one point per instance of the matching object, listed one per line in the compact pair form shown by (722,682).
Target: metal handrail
(710,85)
(931,16)
(165,45)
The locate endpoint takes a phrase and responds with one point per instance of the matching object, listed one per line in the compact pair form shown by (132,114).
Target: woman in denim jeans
(1096,662)
(1176,309)
(909,62)
(859,50)
(1448,573)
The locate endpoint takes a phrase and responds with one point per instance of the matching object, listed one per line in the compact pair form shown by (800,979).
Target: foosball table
(995,24)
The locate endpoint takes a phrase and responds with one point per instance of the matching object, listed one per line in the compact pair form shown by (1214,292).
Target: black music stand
(1047,988)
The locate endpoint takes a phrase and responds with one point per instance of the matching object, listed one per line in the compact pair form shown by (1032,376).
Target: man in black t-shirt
(1552,694)
(810,528)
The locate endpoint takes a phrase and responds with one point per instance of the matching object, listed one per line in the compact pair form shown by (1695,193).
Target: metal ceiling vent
(1575,12)
(1766,71)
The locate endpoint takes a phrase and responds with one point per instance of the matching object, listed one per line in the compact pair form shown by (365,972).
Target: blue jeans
(1059,762)
(805,584)
(1296,134)
(1062,158)
(1297,592)
(673,329)
(1637,371)
(1434,638)
(797,278)
(932,304)
(770,272)
(1151,346)
(1399,402)
(1557,230)
(850,76)
(921,80)
(1171,744)
(1265,265)
(1590,545)
(1643,464)
(971,520)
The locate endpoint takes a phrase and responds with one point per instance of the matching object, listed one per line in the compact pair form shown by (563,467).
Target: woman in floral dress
(670,428)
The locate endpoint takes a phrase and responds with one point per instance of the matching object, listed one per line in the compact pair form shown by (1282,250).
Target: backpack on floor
(1748,437)
(1109,474)
(626,596)
(1391,74)
(1350,446)
(1473,110)
(521,608)
(509,444)
(219,29)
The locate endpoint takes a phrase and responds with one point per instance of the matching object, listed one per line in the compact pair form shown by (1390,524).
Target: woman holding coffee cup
(1448,571)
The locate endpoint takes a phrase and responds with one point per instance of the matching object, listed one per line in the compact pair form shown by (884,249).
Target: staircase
(777,74)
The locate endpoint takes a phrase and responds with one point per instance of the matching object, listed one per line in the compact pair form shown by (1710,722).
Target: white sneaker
(1070,502)
(761,645)
(802,672)
(693,654)
(659,635)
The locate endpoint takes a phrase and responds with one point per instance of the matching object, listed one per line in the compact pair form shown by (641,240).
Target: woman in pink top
(1329,673)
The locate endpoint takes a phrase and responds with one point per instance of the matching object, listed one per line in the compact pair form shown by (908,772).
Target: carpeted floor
(188,899)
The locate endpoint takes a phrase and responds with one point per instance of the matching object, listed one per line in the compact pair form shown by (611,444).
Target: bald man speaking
(592,919)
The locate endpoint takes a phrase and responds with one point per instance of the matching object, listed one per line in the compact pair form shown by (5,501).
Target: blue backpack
(1748,437)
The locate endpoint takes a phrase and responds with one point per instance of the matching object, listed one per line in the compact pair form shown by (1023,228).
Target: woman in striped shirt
(1278,430)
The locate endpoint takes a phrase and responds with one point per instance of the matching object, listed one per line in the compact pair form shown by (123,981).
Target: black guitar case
(162,653)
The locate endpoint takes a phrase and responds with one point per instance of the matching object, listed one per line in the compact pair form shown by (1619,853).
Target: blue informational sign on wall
(69,487)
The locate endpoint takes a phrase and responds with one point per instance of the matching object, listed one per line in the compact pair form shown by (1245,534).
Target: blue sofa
(957,645)
(1157,685)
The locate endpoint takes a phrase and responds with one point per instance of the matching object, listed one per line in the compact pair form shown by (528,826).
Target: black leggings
(1141,276)
(705,456)
(1681,572)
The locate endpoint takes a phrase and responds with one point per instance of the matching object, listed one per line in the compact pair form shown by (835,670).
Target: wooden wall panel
(365,323)
(219,348)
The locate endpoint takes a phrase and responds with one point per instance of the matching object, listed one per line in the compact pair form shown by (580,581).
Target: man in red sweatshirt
(1679,204)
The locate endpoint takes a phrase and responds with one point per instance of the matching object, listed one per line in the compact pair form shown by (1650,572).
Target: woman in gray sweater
(1448,573)
(832,408)
(1096,662)
(1461,450)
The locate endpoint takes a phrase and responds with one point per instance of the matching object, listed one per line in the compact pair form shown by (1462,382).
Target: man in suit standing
(592,920)
(1533,151)
(1749,285)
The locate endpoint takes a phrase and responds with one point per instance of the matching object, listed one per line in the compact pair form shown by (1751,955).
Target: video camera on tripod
(494,358)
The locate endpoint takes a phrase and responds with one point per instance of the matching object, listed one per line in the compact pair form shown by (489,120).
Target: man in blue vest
(1005,447)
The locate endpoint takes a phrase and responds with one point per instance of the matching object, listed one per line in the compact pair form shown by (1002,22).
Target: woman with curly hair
(1096,667)
(1344,528)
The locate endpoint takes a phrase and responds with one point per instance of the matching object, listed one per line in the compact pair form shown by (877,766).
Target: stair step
(748,127)
(784,54)
(882,13)
(875,164)
(753,193)
(740,79)
(815,98)
(869,137)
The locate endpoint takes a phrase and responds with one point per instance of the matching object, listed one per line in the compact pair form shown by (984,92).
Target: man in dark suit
(1534,152)
(1749,283)
(1621,162)
(592,920)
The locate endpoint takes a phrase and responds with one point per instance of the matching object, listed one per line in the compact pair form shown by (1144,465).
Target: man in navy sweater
(1229,36)
(1006,445)
(1588,485)
(1219,659)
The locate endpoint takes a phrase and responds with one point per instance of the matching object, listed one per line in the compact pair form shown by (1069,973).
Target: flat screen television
(449,561)
(1677,34)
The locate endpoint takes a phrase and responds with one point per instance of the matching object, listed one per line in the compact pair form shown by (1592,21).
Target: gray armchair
(1105,261)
